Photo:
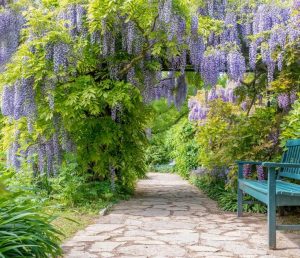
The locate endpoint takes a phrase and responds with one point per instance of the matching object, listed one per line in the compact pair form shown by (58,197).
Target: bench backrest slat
(291,155)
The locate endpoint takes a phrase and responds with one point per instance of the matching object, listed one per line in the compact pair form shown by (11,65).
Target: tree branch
(135,60)
(144,51)
(154,23)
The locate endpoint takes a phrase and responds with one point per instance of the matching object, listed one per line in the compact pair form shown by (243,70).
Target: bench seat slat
(282,187)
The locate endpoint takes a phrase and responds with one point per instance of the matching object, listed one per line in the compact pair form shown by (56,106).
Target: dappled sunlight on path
(167,217)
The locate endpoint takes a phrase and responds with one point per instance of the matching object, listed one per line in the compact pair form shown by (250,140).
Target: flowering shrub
(291,124)
(229,135)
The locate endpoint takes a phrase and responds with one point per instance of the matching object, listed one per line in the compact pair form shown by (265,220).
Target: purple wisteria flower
(293,96)
(231,32)
(283,101)
(60,56)
(296,5)
(244,105)
(209,69)
(230,96)
(246,170)
(8,95)
(280,61)
(194,25)
(198,112)
(260,172)
(236,65)
(197,49)
(212,95)
(274,137)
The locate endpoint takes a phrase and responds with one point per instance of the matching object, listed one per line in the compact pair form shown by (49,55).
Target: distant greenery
(184,148)
(166,125)
(164,168)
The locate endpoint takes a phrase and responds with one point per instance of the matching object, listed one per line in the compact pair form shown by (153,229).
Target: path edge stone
(106,210)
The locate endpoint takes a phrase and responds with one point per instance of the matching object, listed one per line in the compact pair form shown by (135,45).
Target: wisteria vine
(243,43)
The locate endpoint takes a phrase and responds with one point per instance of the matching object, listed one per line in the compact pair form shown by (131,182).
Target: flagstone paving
(168,217)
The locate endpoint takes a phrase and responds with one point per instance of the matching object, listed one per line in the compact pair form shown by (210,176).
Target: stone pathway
(170,218)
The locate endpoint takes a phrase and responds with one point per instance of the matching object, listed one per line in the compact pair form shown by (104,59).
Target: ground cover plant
(25,230)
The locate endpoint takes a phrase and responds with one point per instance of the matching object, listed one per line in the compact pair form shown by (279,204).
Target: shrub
(163,168)
(291,124)
(158,151)
(229,135)
(75,188)
(25,230)
(181,138)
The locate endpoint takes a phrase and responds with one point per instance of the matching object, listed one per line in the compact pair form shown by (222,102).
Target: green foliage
(291,124)
(184,147)
(229,135)
(72,188)
(164,168)
(158,151)
(75,188)
(84,98)
(83,106)
(25,230)
(72,199)
(100,140)
(165,116)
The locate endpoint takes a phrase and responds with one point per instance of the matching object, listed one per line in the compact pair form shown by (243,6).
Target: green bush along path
(168,217)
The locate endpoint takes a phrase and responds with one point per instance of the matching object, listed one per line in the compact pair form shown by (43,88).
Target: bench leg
(240,203)
(272,208)
(272,225)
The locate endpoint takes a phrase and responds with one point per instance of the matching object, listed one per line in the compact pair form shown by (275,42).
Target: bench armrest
(280,165)
(242,162)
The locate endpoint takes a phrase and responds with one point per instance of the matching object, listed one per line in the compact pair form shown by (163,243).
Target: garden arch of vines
(77,76)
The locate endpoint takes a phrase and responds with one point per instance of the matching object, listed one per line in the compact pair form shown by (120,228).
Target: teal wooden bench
(275,191)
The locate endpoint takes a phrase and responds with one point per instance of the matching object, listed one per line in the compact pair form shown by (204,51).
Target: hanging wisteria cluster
(198,112)
(173,88)
(261,34)
(199,109)
(285,100)
(269,25)
(265,32)
(18,100)
(10,26)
